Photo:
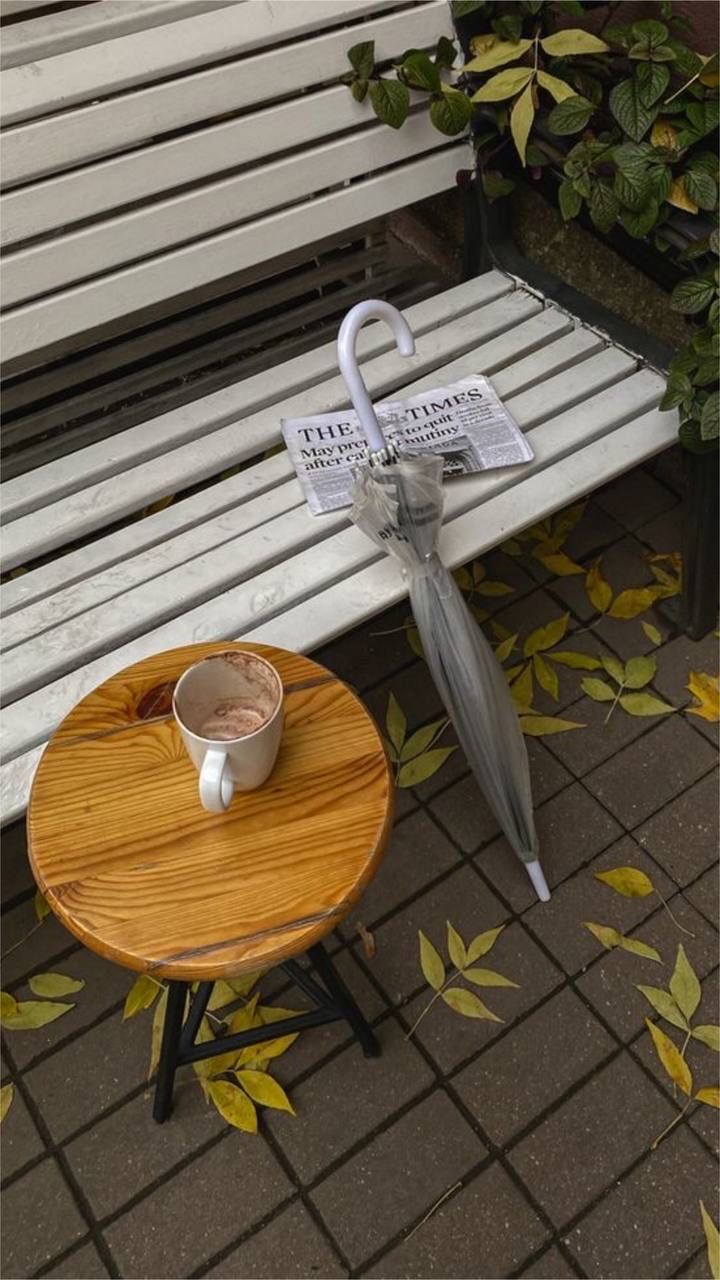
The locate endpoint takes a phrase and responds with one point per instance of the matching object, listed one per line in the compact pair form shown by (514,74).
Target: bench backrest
(152,149)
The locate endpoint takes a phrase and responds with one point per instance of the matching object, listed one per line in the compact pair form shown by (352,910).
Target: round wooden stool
(133,865)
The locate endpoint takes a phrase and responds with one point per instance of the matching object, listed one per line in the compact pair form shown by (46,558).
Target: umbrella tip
(539,882)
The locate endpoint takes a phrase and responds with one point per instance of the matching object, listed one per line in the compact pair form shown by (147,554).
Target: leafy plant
(692,385)
(463,964)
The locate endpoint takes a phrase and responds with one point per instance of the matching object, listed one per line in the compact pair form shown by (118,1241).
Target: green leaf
(710,417)
(596,689)
(497,55)
(565,44)
(569,200)
(7,1092)
(362,58)
(663,1003)
(709,1035)
(421,73)
(261,1087)
(461,8)
(633,187)
(671,1058)
(712,1239)
(359,89)
(488,978)
(639,672)
(423,766)
(456,947)
(704,116)
(420,740)
(603,206)
(467,1003)
(140,996)
(31,1014)
(395,723)
(431,963)
(684,985)
(692,295)
(390,102)
(631,113)
(570,116)
(54,984)
(639,222)
(445,53)
(233,1105)
(679,388)
(701,188)
(652,79)
(483,943)
(541,726)
(495,186)
(450,112)
(644,704)
(504,85)
(629,881)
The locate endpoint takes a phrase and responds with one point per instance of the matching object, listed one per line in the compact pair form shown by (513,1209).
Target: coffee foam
(234,718)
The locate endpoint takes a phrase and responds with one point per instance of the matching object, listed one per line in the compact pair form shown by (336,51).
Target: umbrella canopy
(398,502)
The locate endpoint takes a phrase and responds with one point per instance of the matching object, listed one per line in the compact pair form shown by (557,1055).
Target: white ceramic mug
(229,709)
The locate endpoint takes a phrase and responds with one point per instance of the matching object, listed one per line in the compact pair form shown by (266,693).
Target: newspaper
(465,421)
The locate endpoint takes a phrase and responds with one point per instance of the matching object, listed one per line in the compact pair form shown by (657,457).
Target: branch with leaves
(463,965)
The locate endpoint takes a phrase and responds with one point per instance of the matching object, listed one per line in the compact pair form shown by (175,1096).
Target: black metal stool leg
(327,973)
(169,1052)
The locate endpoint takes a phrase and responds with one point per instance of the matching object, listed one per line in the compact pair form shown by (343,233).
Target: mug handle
(216,784)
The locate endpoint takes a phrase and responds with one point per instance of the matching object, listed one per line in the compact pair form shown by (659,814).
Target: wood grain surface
(133,865)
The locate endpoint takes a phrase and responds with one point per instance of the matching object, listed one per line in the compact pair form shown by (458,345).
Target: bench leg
(700,545)
(331,978)
(169,1051)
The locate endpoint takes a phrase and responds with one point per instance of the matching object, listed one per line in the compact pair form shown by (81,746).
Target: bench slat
(53,33)
(217,541)
(60,82)
(188,464)
(114,242)
(55,143)
(52,322)
(299,577)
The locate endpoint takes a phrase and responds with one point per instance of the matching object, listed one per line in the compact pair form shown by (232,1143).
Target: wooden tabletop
(134,866)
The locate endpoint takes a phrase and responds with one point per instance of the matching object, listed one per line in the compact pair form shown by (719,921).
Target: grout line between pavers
(259,1225)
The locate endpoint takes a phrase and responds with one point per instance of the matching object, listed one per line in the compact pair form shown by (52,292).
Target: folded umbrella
(398,503)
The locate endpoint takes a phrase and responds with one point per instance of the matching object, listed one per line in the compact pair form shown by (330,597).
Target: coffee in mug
(228,708)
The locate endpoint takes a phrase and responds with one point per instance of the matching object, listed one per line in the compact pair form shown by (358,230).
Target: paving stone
(465,814)
(704,896)
(414,691)
(571,828)
(141,1150)
(665,532)
(371,652)
(461,898)
(417,853)
(609,983)
(677,659)
(653,1201)
(650,772)
(683,837)
(532,1066)
(635,498)
(559,922)
(84,1264)
(486,1229)
(105,985)
(534,610)
(669,468)
(17,876)
(91,1073)
(39,1220)
(500,567)
(201,1210)
(346,1099)
(581,1148)
(451,1038)
(396,1178)
(550,1266)
(291,1242)
(452,769)
(581,750)
(21,1141)
(37,943)
(699,1267)
(594,532)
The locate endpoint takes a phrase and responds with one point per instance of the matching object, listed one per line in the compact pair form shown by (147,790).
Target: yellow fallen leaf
(8,1004)
(684,985)
(644,704)
(597,589)
(233,1105)
(140,996)
(604,933)
(628,604)
(664,134)
(546,677)
(261,1087)
(54,984)
(598,690)
(487,978)
(614,667)
(6,1096)
(545,637)
(577,661)
(610,938)
(483,943)
(423,766)
(522,688)
(663,1003)
(467,1003)
(540,726)
(558,562)
(628,881)
(42,907)
(456,947)
(651,632)
(431,962)
(706,689)
(710,1095)
(639,671)
(712,1237)
(28,1015)
(678,196)
(505,648)
(671,1058)
(638,948)
(157,1031)
(708,1034)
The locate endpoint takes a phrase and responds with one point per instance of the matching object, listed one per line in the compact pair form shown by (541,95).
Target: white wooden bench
(150,170)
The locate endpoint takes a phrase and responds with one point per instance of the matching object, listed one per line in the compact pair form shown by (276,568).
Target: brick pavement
(538,1127)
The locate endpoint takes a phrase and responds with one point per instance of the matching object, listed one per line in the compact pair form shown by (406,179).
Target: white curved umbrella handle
(372,309)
